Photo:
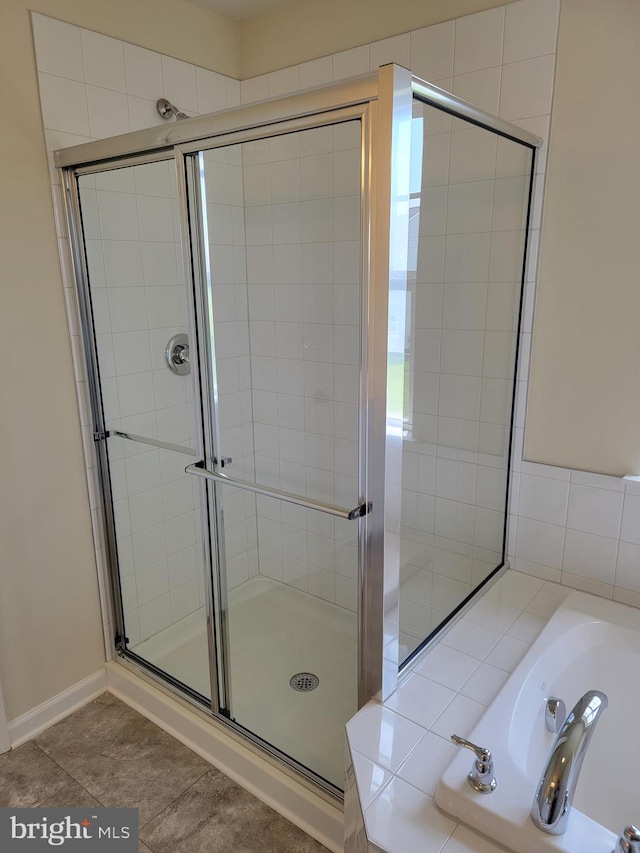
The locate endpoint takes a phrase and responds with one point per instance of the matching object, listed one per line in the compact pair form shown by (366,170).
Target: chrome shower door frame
(344,102)
(382,102)
(98,426)
(369,611)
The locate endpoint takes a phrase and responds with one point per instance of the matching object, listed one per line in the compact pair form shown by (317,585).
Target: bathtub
(589,643)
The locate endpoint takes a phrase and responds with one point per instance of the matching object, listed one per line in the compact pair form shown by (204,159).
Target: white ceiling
(240,10)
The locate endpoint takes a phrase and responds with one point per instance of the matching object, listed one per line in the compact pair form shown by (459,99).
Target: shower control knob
(177,355)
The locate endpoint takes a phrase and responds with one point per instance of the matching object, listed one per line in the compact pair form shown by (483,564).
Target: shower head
(167,110)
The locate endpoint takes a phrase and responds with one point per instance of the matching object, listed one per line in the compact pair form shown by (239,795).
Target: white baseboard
(38,719)
(294,799)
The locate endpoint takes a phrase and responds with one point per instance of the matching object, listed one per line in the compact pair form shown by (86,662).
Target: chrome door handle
(199,470)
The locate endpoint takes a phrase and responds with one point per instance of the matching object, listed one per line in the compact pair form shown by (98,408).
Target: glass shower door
(280,220)
(469,201)
(136,308)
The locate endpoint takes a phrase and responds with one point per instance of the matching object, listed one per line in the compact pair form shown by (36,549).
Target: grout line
(188,788)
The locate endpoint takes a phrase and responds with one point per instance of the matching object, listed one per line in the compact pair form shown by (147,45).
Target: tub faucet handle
(555,713)
(629,841)
(481,777)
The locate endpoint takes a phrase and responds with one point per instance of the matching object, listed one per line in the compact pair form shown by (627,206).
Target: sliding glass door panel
(138,303)
(280,278)
(282,239)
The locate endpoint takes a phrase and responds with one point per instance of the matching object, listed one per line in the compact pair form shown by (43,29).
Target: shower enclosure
(300,325)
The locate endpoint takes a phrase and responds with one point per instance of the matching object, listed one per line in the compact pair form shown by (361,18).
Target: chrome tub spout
(557,786)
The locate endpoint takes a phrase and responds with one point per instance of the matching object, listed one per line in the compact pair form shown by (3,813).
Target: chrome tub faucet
(556,788)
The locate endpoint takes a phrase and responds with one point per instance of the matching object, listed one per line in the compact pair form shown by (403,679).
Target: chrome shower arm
(167,110)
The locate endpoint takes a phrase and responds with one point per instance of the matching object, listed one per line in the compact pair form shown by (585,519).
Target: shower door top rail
(443,100)
(340,512)
(360,90)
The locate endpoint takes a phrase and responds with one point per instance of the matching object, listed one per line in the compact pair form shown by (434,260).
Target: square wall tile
(64,104)
(480,88)
(630,529)
(143,72)
(530,29)
(351,63)
(211,90)
(628,567)
(527,88)
(432,51)
(478,41)
(179,79)
(283,82)
(543,499)
(394,49)
(317,72)
(233,92)
(539,542)
(103,61)
(108,112)
(58,47)
(254,89)
(594,510)
(143,113)
(590,556)
(154,616)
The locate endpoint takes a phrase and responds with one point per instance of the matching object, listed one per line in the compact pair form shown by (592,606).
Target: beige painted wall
(309,29)
(50,624)
(584,400)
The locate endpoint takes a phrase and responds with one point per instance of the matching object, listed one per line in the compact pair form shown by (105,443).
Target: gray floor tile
(27,776)
(121,758)
(107,699)
(217,816)
(73,796)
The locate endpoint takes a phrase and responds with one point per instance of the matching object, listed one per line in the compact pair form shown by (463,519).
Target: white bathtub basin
(589,644)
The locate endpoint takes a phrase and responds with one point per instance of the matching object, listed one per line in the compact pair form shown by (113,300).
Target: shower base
(275,632)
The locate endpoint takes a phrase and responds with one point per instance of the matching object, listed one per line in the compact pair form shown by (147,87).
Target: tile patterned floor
(106,754)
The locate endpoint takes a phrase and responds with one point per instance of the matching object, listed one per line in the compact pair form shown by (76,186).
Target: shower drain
(304,681)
